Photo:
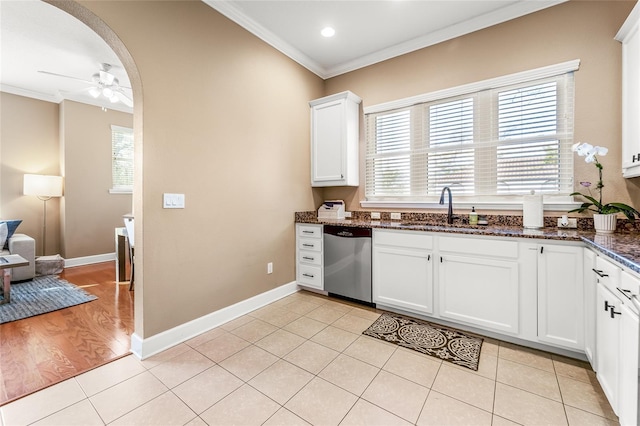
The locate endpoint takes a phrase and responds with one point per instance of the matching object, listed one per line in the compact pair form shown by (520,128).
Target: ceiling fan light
(114,99)
(107,92)
(94,91)
(107,77)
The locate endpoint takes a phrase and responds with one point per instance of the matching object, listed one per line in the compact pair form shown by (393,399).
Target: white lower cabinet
(561,295)
(309,256)
(629,380)
(590,307)
(478,283)
(617,339)
(403,270)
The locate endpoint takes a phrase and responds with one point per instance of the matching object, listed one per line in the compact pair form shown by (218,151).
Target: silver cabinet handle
(308,232)
(308,258)
(308,275)
(307,245)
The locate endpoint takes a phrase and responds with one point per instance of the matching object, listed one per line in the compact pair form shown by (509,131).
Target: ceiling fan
(102,83)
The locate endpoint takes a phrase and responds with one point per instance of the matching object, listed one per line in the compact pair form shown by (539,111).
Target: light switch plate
(375,215)
(396,216)
(173,201)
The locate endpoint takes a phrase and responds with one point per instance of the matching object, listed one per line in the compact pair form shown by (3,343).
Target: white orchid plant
(590,153)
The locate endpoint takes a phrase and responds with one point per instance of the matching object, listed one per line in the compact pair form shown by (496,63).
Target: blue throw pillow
(12,225)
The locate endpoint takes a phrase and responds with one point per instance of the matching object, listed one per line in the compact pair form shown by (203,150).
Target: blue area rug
(41,295)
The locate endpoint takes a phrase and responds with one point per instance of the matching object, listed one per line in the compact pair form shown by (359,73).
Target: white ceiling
(35,36)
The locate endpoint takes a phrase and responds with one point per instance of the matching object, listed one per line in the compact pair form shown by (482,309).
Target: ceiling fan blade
(66,76)
(124,99)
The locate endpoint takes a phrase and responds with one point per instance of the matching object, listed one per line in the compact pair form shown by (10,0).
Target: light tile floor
(303,360)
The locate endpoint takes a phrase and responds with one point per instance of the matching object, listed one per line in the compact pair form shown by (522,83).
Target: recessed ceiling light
(328,32)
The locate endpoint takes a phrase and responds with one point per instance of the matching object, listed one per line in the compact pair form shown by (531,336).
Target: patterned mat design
(445,343)
(41,295)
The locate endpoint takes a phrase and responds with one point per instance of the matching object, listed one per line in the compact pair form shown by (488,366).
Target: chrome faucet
(450,211)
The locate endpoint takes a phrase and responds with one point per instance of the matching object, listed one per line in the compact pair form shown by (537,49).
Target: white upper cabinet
(335,134)
(629,35)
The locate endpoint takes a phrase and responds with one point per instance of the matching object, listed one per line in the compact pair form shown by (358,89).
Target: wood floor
(46,349)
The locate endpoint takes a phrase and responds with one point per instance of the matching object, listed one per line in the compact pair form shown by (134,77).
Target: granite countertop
(622,247)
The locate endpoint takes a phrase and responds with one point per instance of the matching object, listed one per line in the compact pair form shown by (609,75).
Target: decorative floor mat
(447,344)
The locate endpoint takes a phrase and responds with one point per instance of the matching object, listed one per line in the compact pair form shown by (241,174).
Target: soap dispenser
(473,217)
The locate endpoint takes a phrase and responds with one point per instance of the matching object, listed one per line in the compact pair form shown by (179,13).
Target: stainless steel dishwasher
(347,262)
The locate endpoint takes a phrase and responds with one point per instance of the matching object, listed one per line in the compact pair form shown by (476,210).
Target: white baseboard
(144,348)
(88,260)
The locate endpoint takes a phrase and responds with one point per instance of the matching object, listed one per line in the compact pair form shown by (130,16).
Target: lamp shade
(43,185)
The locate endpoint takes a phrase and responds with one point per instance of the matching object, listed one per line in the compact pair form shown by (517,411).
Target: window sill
(120,191)
(479,205)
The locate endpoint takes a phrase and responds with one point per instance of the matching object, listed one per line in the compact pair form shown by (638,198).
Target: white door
(628,386)
(481,292)
(327,142)
(607,344)
(561,295)
(403,278)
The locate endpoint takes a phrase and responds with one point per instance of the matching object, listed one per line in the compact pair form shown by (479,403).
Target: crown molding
(523,7)
(234,14)
(58,98)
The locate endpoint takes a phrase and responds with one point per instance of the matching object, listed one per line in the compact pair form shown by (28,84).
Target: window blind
(122,158)
(497,142)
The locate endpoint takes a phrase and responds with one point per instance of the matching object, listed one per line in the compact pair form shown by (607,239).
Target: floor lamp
(44,187)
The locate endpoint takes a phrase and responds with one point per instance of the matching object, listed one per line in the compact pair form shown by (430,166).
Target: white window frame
(119,189)
(506,202)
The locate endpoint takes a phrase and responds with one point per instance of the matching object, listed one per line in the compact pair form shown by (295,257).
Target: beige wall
(575,30)
(224,119)
(89,212)
(29,144)
(72,140)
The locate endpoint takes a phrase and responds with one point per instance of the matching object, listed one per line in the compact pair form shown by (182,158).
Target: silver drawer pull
(308,232)
(308,245)
(308,275)
(308,258)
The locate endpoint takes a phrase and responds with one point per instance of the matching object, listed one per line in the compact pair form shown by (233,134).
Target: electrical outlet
(375,215)
(347,214)
(270,268)
(571,223)
(396,216)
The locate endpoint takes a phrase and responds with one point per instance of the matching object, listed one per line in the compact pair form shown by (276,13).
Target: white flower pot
(605,223)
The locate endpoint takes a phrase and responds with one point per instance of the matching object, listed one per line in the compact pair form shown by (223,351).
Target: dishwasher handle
(347,231)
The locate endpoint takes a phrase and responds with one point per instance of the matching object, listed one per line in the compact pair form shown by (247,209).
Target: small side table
(6,263)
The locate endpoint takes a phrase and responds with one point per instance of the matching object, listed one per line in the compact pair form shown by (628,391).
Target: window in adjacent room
(489,141)
(121,159)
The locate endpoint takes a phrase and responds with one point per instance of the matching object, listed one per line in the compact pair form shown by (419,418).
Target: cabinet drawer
(310,257)
(309,244)
(310,231)
(310,275)
(478,246)
(406,239)
(607,274)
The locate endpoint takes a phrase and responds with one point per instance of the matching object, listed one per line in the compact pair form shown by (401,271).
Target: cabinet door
(607,343)
(561,296)
(403,278)
(628,386)
(482,292)
(590,307)
(631,97)
(327,157)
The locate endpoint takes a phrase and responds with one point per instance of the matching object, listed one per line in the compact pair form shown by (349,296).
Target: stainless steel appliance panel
(347,262)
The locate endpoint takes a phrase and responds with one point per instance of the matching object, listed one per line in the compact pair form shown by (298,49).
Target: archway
(106,33)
